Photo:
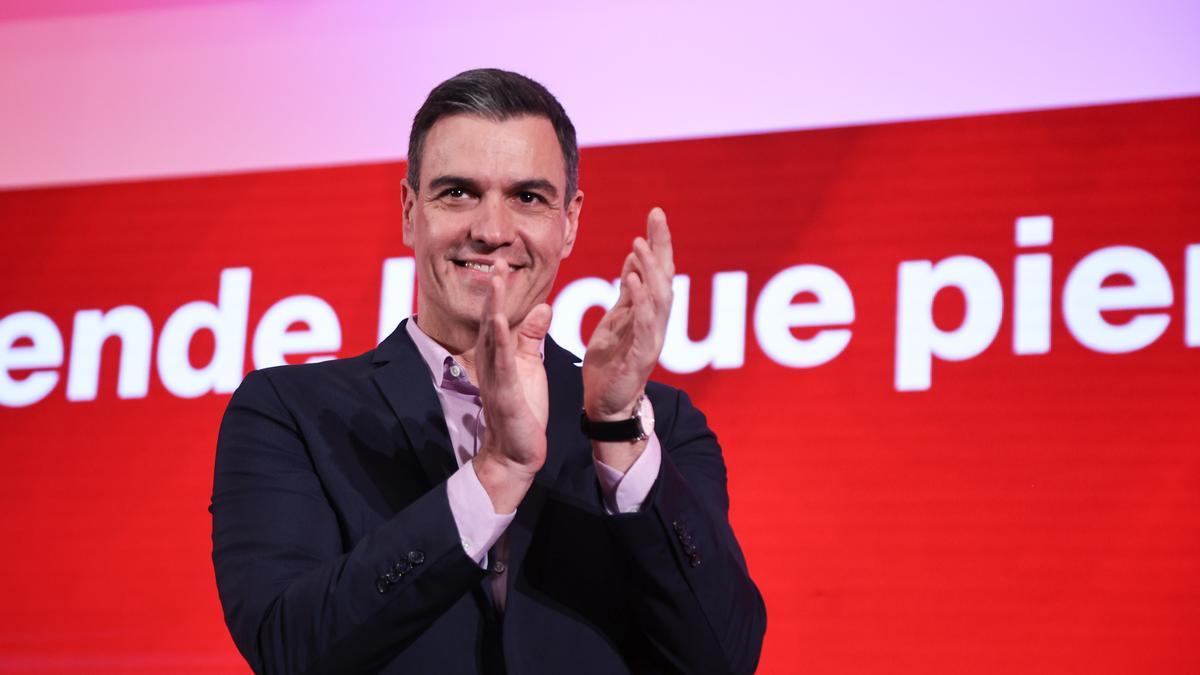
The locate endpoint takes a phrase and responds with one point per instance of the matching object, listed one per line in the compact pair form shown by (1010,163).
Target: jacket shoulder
(321,370)
(309,380)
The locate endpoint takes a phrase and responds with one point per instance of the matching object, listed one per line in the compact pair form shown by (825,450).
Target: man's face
(489,191)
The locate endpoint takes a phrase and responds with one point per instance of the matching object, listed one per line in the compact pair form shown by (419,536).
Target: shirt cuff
(479,526)
(625,492)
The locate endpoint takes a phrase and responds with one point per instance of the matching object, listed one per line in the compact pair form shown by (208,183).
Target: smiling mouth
(483,267)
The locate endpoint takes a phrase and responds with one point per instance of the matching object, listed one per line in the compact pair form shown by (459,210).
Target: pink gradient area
(116,89)
(39,9)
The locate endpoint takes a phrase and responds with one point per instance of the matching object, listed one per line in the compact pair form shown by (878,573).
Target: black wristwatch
(636,428)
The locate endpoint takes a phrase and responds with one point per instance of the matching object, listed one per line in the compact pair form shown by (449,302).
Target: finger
(505,387)
(659,236)
(485,344)
(493,333)
(620,316)
(497,317)
(503,356)
(653,275)
(499,281)
(638,296)
(630,267)
(642,312)
(533,330)
(498,293)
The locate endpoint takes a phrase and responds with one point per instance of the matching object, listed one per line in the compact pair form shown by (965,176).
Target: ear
(573,211)
(409,197)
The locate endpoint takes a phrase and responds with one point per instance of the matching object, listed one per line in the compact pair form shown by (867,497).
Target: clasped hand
(620,356)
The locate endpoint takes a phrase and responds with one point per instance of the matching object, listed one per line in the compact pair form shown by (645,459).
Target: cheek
(433,239)
(550,241)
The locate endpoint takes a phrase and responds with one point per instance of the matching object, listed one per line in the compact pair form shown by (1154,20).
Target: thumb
(533,330)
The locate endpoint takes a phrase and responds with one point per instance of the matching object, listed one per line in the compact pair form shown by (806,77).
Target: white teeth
(478,266)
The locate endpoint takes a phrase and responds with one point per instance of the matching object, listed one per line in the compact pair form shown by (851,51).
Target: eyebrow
(454,181)
(530,185)
(536,184)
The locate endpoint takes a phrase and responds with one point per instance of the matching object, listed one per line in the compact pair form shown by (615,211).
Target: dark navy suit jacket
(336,552)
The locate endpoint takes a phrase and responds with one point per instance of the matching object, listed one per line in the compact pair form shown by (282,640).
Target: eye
(455,193)
(529,197)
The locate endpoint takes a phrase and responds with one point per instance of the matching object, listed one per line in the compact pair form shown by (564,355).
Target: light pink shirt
(479,526)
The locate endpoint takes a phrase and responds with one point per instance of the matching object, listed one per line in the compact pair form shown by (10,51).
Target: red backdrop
(1025,513)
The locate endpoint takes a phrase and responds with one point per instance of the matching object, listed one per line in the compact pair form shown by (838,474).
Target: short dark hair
(497,95)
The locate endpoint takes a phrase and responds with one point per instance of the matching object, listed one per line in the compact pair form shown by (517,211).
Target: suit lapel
(404,379)
(566,398)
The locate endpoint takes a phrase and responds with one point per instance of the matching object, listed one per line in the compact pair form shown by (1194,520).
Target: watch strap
(630,429)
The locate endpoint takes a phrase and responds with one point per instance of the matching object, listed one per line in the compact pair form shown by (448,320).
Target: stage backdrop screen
(954,366)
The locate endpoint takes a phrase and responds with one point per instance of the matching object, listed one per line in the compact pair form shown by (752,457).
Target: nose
(494,225)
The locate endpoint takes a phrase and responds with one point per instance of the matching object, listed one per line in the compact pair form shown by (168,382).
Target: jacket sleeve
(697,605)
(296,597)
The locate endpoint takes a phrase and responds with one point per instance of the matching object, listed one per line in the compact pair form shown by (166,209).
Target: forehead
(516,149)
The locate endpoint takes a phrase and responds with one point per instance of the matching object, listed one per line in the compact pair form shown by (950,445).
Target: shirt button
(466,545)
(455,370)
(498,567)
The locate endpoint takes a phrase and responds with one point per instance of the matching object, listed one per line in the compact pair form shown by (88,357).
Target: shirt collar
(441,363)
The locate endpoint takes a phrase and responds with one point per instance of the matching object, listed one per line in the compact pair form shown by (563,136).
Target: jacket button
(381,585)
(695,560)
(392,576)
(689,549)
(678,527)
(416,557)
(401,568)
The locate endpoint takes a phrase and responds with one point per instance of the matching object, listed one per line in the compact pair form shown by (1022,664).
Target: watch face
(645,417)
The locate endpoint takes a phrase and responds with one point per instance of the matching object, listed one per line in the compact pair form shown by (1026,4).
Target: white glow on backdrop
(104,89)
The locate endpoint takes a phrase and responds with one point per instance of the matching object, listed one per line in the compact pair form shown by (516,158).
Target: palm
(626,344)
(512,381)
